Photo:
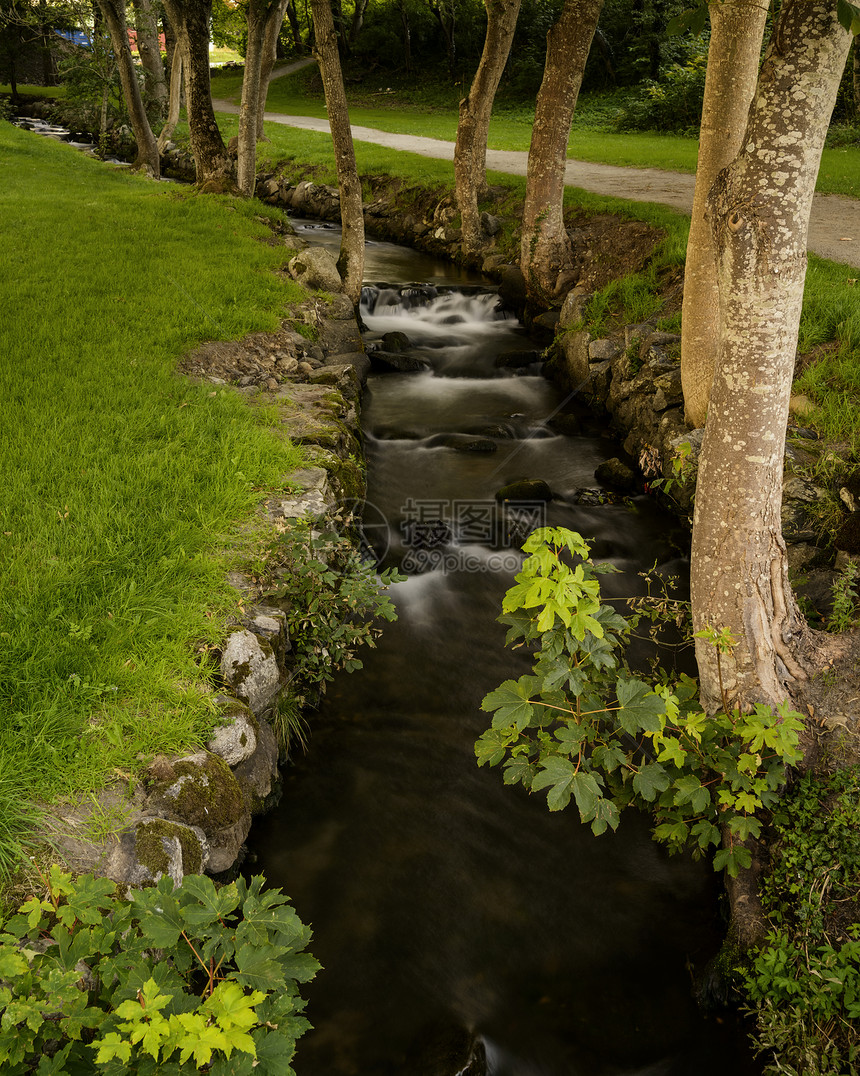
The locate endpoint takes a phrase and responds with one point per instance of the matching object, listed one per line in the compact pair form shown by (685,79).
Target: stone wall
(192,813)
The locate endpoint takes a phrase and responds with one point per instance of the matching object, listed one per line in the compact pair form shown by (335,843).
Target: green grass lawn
(510,128)
(121,480)
(35,91)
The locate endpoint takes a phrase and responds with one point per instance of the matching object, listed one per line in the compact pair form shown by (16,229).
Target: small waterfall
(439,897)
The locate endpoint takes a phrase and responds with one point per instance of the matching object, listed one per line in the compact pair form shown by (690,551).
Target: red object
(132,40)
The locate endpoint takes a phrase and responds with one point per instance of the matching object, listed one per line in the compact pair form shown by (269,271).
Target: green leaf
(110,1047)
(641,709)
(571,737)
(694,20)
(587,792)
(212,904)
(158,913)
(650,780)
(848,15)
(733,860)
(606,814)
(91,897)
(12,962)
(490,749)
(556,774)
(511,702)
(519,771)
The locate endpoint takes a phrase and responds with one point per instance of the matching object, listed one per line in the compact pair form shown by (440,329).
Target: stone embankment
(192,813)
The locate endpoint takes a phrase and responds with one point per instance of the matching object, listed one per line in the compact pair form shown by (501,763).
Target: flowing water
(441,899)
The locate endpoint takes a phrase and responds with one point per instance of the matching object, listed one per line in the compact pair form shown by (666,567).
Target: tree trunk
(149,49)
(147,149)
(274,22)
(174,100)
(445,15)
(351,261)
(190,21)
(250,101)
(470,151)
(855,77)
(357,21)
(545,248)
(737,27)
(295,29)
(759,209)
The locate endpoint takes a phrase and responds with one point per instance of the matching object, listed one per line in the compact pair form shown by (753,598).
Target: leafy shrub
(168,981)
(673,103)
(582,726)
(333,599)
(804,983)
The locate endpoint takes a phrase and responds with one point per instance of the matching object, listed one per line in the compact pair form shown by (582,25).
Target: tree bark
(149,49)
(545,248)
(190,21)
(470,151)
(295,29)
(147,149)
(351,261)
(737,27)
(174,100)
(250,100)
(357,21)
(759,209)
(274,22)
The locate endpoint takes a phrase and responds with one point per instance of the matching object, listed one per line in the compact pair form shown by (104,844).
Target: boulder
(316,268)
(249,666)
(395,341)
(156,847)
(516,359)
(386,361)
(201,790)
(616,474)
(235,736)
(525,489)
(258,776)
(462,442)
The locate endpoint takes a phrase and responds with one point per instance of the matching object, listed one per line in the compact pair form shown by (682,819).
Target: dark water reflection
(437,895)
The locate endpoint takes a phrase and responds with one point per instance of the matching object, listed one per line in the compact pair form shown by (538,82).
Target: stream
(456,917)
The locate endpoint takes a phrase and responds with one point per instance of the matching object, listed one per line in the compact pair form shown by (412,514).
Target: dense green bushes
(805,981)
(170,980)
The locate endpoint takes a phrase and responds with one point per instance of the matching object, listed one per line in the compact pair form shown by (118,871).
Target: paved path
(834,227)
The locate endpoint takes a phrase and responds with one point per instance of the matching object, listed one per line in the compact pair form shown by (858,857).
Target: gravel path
(834,227)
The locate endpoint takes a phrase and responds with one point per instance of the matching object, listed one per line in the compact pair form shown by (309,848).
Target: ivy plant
(170,980)
(582,726)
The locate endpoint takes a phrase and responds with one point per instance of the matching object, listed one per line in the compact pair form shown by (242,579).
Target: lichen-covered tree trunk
(470,151)
(737,27)
(190,20)
(545,247)
(351,261)
(174,100)
(146,25)
(113,12)
(759,208)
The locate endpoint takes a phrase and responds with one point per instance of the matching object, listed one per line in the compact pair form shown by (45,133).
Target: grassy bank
(406,110)
(121,479)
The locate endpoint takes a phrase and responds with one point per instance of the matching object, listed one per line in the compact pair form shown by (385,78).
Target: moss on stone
(151,846)
(204,794)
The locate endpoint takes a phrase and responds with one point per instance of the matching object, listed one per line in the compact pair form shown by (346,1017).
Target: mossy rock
(156,847)
(202,791)
(153,840)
